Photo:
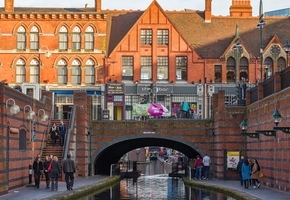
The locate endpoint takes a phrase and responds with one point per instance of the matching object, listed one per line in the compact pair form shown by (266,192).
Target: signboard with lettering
(115,88)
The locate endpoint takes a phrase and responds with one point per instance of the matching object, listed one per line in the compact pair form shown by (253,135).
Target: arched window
(89,39)
(34,38)
(268,71)
(76,39)
(76,72)
(34,71)
(63,39)
(244,66)
(20,71)
(90,72)
(231,70)
(62,72)
(281,63)
(21,38)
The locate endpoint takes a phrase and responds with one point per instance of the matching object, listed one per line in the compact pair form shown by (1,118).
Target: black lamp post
(287,50)
(260,26)
(266,67)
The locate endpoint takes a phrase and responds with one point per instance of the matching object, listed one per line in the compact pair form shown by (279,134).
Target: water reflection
(155,185)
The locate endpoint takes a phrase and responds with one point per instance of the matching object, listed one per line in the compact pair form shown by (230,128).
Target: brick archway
(110,153)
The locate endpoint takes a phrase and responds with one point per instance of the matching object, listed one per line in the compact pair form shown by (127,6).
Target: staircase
(55,150)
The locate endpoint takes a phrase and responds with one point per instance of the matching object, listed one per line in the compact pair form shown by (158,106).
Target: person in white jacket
(206,165)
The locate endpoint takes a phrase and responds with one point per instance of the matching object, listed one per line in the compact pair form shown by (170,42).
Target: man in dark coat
(69,168)
(239,168)
(62,132)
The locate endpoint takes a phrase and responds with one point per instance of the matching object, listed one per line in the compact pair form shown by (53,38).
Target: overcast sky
(219,7)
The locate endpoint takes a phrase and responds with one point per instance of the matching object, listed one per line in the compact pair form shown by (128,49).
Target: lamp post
(137,152)
(90,154)
(266,67)
(244,127)
(260,26)
(14,109)
(237,49)
(286,48)
(277,119)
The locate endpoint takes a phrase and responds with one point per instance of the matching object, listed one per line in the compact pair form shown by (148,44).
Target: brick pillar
(9,6)
(81,129)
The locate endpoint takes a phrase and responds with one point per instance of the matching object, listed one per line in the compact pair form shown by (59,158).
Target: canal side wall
(17,151)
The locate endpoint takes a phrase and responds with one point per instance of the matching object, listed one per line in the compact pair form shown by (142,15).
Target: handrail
(68,133)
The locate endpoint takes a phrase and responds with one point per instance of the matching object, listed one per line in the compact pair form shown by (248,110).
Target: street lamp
(14,109)
(260,26)
(238,48)
(266,66)
(244,127)
(277,119)
(287,50)
(44,117)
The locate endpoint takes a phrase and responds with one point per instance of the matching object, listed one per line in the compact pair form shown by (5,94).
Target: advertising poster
(233,158)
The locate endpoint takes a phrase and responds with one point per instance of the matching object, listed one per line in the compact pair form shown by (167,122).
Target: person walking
(246,173)
(206,164)
(69,168)
(255,174)
(239,169)
(55,173)
(37,169)
(45,169)
(53,134)
(62,132)
(198,167)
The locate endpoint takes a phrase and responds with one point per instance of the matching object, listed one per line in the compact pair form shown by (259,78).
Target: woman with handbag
(255,174)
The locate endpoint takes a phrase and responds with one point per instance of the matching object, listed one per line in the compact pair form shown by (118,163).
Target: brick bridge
(111,140)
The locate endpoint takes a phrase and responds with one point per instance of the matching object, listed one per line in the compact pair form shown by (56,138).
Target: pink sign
(155,109)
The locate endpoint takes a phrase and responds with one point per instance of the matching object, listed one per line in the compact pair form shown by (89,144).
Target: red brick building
(186,55)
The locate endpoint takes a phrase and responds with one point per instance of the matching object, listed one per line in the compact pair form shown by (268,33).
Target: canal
(154,184)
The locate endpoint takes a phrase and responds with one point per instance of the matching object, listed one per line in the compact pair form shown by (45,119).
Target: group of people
(58,132)
(249,170)
(51,168)
(200,167)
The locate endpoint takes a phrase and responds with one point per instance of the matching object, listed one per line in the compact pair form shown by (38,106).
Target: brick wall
(15,161)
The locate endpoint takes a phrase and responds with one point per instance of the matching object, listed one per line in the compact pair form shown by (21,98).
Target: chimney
(241,8)
(98,5)
(207,12)
(9,6)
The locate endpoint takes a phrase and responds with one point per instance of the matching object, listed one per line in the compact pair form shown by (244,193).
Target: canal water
(154,184)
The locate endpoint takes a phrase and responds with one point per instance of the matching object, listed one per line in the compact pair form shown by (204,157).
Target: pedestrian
(191,165)
(45,169)
(69,168)
(198,167)
(53,134)
(206,164)
(62,132)
(239,168)
(246,173)
(55,173)
(38,170)
(255,174)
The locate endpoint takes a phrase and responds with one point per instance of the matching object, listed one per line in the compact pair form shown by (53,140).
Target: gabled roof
(209,40)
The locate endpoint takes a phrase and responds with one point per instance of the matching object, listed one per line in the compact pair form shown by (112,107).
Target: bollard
(30,174)
(134,166)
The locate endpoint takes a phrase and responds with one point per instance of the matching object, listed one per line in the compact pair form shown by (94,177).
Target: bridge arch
(111,152)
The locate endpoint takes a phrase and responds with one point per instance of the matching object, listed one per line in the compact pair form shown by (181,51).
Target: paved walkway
(31,193)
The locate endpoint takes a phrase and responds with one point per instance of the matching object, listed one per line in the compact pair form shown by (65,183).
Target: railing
(268,87)
(67,135)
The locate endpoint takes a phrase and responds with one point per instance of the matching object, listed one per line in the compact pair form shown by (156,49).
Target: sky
(218,8)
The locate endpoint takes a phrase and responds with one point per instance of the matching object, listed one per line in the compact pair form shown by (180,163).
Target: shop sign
(115,88)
